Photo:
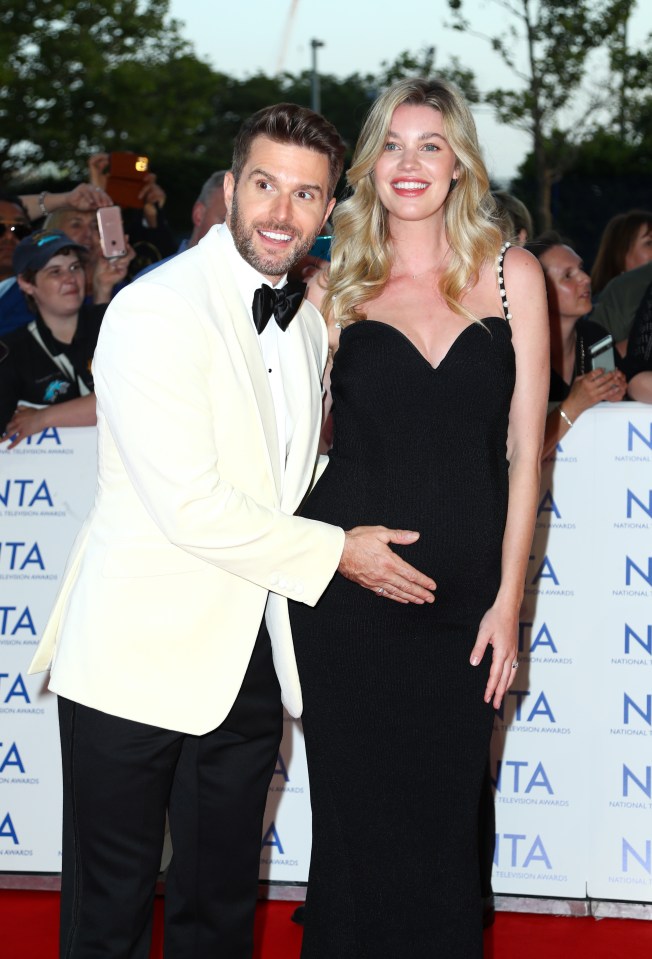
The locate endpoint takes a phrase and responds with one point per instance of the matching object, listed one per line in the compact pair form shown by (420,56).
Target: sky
(243,37)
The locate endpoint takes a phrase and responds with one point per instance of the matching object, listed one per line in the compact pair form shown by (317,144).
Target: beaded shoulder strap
(501,280)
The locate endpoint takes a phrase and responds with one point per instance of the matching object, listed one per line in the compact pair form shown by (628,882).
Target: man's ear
(24,285)
(229,187)
(198,211)
(329,210)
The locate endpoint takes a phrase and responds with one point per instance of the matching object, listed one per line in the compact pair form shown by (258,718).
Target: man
(207,438)
(209,208)
(14,226)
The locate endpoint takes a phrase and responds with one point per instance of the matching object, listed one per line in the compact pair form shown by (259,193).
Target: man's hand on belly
(368,560)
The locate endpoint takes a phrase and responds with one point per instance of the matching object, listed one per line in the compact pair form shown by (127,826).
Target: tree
(632,78)
(61,61)
(423,64)
(556,38)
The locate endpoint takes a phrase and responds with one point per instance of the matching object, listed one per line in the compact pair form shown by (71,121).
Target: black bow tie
(283,303)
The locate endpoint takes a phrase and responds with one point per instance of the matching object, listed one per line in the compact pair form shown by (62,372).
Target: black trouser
(119,778)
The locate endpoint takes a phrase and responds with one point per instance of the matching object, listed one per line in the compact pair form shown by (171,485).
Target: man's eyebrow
(259,171)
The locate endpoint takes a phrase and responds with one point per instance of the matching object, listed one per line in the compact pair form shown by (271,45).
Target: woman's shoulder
(519,271)
(316,288)
(512,264)
(515,258)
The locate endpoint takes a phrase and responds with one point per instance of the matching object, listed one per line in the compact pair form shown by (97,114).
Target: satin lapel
(222,279)
(302,372)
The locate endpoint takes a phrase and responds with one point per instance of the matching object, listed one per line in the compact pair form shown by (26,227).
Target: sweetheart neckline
(416,349)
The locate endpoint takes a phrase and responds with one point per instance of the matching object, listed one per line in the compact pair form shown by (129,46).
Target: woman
(574,385)
(625,244)
(439,391)
(81,226)
(48,362)
(513,218)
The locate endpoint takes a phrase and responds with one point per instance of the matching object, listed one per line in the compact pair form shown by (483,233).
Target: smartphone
(112,237)
(601,354)
(127,174)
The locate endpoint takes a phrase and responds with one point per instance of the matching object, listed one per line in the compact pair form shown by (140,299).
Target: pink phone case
(112,238)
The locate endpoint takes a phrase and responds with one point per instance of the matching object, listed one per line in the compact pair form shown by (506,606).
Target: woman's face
(569,287)
(81,226)
(640,249)
(414,171)
(58,288)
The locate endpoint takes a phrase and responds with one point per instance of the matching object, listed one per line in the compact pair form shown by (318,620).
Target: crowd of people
(617,293)
(31,247)
(199,596)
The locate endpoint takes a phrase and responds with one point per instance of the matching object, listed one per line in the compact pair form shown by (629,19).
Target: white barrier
(572,751)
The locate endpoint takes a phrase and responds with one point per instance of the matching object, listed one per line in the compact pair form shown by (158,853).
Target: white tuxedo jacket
(191,531)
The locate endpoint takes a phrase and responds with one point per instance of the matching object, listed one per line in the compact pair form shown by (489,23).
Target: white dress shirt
(273,342)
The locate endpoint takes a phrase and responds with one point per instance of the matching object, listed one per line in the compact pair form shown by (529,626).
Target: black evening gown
(396,729)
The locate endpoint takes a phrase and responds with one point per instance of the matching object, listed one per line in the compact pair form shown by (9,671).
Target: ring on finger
(515,664)
(380,590)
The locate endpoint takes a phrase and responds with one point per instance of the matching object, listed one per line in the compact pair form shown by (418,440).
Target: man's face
(14,225)
(278,206)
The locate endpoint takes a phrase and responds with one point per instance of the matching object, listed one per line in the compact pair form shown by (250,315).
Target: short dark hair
(29,275)
(15,201)
(290,123)
(209,187)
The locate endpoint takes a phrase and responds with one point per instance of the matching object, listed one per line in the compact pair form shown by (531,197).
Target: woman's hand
(108,272)
(593,388)
(587,391)
(153,197)
(85,196)
(25,422)
(499,629)
(98,169)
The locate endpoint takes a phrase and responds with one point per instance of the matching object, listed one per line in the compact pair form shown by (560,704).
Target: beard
(267,264)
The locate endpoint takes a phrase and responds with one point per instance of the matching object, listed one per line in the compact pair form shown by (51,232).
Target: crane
(286,35)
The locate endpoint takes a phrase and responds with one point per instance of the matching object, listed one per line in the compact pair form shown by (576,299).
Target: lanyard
(60,360)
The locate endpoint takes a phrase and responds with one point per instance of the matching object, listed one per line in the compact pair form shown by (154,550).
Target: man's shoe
(298,914)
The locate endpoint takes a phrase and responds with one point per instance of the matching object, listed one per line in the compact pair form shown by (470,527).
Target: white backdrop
(572,750)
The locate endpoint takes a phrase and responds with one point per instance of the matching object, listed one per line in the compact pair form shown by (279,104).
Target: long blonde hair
(361,256)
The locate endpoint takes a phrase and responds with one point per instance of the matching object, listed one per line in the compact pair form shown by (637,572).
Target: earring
(453,184)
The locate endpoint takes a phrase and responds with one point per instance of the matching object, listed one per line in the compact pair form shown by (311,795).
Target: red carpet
(29,924)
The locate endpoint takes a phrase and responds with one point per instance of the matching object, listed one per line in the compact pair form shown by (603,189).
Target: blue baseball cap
(38,248)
